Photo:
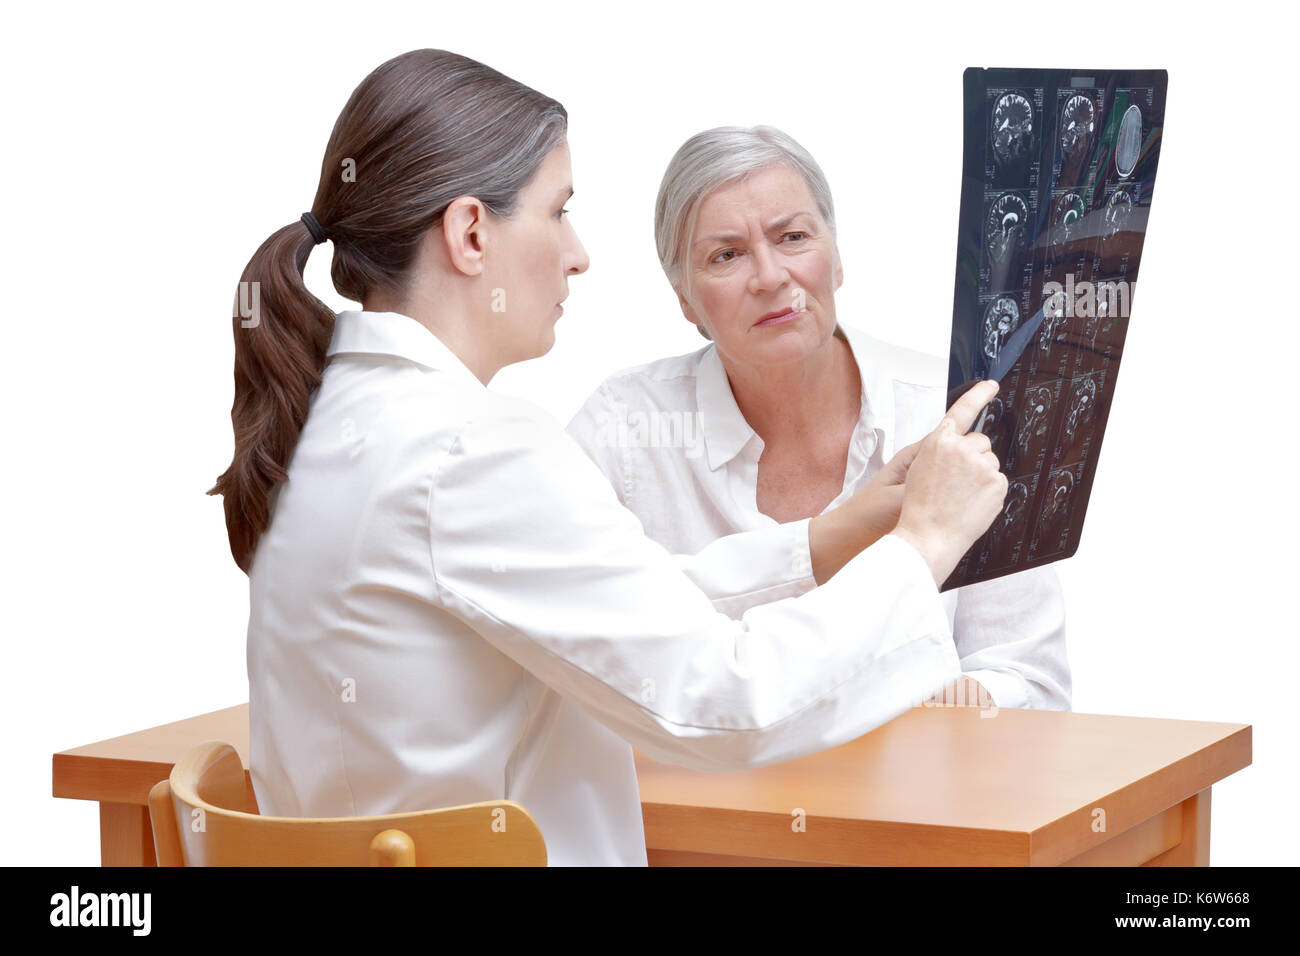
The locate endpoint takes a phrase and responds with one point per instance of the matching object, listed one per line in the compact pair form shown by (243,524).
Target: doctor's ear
(463,229)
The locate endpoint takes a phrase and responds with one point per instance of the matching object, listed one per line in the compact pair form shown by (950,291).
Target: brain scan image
(1000,318)
(1007,221)
(1053,319)
(1090,323)
(1117,212)
(1013,128)
(1077,121)
(1058,497)
(992,418)
(1081,403)
(999,424)
(1013,514)
(1067,217)
(1103,322)
(1128,144)
(1038,406)
(1013,511)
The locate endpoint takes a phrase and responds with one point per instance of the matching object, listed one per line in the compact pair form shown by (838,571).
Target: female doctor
(448,604)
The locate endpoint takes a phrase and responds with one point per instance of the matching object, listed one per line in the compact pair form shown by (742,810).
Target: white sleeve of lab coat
(531,548)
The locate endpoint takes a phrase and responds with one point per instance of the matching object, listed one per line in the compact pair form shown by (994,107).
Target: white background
(147,154)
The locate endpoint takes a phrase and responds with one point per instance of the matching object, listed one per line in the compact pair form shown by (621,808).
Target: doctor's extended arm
(530,547)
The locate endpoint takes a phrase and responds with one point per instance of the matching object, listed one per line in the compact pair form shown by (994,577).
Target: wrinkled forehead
(766,193)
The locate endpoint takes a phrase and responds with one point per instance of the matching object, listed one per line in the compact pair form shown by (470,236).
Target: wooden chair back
(205,814)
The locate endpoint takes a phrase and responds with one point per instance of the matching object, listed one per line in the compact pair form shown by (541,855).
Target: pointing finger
(964,411)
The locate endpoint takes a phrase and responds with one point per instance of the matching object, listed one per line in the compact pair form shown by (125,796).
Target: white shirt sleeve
(1010,633)
(531,548)
(736,571)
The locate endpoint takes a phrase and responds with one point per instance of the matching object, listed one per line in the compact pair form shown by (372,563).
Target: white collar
(726,431)
(391,333)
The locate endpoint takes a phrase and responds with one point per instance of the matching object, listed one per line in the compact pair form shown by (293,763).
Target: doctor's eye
(562,213)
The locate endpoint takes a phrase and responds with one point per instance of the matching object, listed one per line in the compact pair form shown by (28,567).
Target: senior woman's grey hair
(715,158)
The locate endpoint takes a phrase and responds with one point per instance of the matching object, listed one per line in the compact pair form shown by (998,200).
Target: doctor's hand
(954,486)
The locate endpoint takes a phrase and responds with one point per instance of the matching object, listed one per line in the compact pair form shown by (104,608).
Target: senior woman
(789,412)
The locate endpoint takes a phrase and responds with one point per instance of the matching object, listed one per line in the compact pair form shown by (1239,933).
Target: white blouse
(673,442)
(450,605)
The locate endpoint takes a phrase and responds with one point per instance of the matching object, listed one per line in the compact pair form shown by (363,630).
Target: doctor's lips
(779,317)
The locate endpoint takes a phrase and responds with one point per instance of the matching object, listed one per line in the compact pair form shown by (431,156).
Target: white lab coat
(450,606)
(679,453)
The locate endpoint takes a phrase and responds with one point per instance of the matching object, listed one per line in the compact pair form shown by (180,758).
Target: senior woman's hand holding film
(951,487)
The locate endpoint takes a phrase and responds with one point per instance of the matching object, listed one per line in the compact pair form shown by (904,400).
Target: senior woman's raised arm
(531,548)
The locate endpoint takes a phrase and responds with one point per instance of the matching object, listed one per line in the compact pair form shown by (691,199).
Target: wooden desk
(938,786)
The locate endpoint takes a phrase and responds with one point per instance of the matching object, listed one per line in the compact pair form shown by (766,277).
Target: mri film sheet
(1057,175)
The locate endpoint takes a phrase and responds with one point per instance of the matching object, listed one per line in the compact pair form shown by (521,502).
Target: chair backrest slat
(203,815)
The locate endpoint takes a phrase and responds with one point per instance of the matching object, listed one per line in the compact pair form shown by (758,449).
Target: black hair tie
(317,233)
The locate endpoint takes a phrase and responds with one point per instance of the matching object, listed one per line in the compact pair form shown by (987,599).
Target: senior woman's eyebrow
(779,223)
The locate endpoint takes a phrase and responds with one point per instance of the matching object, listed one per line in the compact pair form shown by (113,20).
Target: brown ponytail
(421,130)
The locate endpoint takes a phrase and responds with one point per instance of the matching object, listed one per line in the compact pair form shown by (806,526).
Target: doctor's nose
(576,260)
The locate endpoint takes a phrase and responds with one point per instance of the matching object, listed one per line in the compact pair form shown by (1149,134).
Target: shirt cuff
(905,547)
(801,552)
(742,570)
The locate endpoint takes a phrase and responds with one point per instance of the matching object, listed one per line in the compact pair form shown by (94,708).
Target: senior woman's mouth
(779,318)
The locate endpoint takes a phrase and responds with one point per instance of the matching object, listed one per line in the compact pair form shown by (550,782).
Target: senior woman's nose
(769,270)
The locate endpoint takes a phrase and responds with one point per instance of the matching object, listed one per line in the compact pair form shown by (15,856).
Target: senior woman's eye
(718,257)
(801,235)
